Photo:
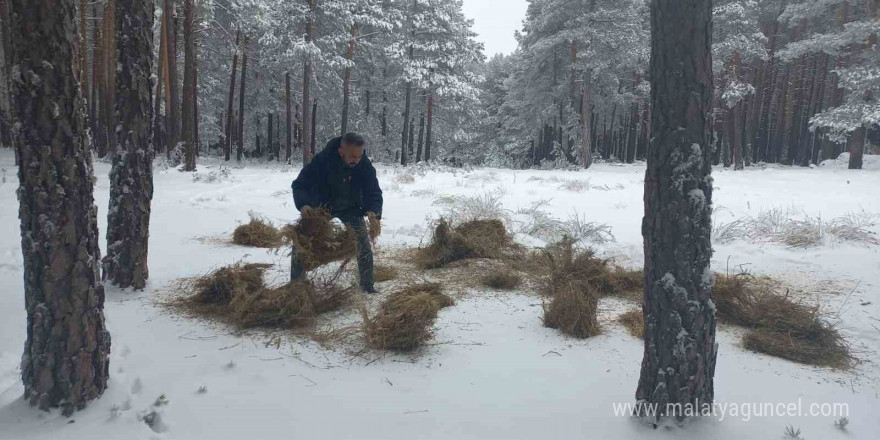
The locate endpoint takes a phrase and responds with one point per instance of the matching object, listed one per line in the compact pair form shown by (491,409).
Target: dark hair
(353,139)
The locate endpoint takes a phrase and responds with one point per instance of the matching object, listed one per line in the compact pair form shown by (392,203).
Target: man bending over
(342,180)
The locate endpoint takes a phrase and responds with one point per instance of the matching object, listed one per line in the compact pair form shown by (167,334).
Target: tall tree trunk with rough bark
(586,156)
(5,100)
(346,78)
(314,123)
(171,110)
(131,178)
(230,129)
(680,349)
(158,132)
(66,354)
(307,76)
(421,130)
(404,135)
(287,145)
(109,78)
(188,110)
(430,124)
(239,151)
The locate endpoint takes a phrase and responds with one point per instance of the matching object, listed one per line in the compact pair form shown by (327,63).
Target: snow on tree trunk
(680,350)
(131,178)
(65,362)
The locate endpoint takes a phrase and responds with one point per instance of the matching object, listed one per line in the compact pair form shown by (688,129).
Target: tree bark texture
(229,125)
(171,111)
(131,178)
(307,76)
(430,125)
(239,151)
(189,110)
(680,350)
(65,361)
(346,78)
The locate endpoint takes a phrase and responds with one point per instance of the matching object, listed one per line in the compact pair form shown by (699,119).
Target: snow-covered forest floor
(492,370)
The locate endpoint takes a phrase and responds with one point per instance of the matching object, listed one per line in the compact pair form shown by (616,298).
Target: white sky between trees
(495,21)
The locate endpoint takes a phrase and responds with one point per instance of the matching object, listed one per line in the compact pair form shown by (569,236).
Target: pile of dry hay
(574,281)
(472,239)
(562,262)
(634,322)
(780,326)
(318,240)
(238,295)
(405,318)
(382,273)
(257,233)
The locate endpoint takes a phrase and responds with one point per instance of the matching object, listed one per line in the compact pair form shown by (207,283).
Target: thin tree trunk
(171,111)
(110,78)
(239,151)
(229,126)
(83,51)
(99,130)
(430,124)
(66,354)
(307,75)
(270,146)
(314,123)
(857,148)
(586,155)
(346,78)
(287,145)
(131,178)
(189,111)
(404,136)
(158,137)
(6,117)
(679,342)
(421,129)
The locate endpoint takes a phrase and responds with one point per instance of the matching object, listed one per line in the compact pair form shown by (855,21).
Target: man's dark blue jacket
(321,179)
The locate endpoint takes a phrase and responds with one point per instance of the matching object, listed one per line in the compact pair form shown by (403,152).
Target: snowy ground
(493,371)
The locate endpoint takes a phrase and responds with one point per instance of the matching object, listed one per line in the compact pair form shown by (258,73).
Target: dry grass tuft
(375,225)
(220,286)
(318,240)
(563,263)
(472,239)
(239,296)
(781,326)
(502,280)
(573,309)
(405,318)
(634,322)
(382,273)
(257,233)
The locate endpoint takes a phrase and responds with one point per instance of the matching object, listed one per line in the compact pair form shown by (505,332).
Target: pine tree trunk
(158,135)
(307,77)
(346,78)
(270,146)
(421,129)
(680,349)
(239,151)
(287,145)
(110,78)
(172,117)
(99,131)
(430,124)
(586,155)
(230,130)
(314,124)
(131,178)
(404,136)
(6,117)
(857,148)
(83,51)
(66,354)
(188,109)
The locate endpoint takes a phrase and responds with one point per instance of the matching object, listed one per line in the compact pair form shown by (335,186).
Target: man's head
(352,149)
